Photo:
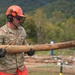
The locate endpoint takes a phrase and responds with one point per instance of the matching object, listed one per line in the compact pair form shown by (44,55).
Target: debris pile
(50,59)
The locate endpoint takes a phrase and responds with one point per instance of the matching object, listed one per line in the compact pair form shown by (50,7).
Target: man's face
(18,20)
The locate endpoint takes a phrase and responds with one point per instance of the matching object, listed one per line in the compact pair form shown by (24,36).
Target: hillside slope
(49,6)
(27,5)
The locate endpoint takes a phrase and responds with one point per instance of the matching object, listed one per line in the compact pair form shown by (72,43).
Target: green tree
(40,21)
(2,19)
(57,17)
(30,28)
(54,33)
(70,29)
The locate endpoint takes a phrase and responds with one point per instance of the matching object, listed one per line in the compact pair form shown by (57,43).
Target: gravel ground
(46,65)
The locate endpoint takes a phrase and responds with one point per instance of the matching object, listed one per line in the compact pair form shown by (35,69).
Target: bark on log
(39,47)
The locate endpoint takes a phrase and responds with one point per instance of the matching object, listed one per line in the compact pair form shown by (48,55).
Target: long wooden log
(39,47)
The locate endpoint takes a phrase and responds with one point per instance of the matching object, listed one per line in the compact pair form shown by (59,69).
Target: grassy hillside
(27,5)
(65,6)
(49,6)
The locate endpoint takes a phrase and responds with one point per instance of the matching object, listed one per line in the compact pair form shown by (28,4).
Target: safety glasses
(18,17)
(21,19)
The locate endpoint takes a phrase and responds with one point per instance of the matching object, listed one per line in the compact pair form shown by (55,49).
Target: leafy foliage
(30,28)
(27,5)
(65,6)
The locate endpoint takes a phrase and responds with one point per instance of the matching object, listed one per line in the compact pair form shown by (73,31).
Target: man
(12,33)
(52,51)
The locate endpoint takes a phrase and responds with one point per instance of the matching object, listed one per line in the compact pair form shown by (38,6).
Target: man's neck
(10,25)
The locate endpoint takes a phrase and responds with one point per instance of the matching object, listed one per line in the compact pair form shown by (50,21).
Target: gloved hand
(3,52)
(31,52)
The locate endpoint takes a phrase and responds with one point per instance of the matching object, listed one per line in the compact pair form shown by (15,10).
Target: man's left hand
(31,52)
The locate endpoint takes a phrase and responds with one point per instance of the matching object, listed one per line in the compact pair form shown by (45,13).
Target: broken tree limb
(39,47)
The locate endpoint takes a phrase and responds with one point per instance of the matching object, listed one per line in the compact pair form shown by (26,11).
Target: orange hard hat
(15,10)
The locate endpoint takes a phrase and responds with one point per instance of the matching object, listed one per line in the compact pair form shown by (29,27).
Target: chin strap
(14,25)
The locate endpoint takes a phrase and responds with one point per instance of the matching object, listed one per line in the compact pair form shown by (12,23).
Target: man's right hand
(3,52)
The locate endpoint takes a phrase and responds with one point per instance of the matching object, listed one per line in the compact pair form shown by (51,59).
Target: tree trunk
(39,47)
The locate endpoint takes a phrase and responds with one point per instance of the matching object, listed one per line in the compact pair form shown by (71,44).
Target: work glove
(3,52)
(30,52)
